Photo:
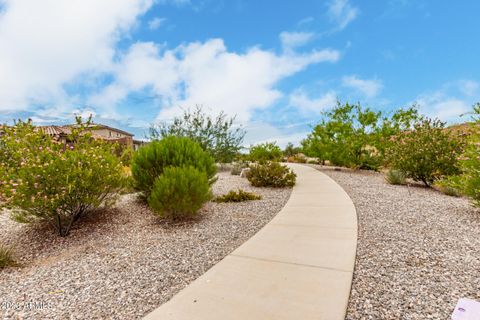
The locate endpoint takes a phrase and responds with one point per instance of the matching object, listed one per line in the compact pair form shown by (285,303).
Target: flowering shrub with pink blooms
(43,180)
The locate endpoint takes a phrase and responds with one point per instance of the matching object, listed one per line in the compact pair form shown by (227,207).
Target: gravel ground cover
(418,250)
(125,262)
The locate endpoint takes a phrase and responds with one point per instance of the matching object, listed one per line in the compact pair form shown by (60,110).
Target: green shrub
(427,153)
(268,151)
(179,192)
(449,186)
(48,181)
(6,257)
(222,167)
(271,174)
(238,167)
(468,182)
(299,158)
(394,176)
(238,196)
(236,170)
(128,183)
(449,191)
(126,156)
(151,160)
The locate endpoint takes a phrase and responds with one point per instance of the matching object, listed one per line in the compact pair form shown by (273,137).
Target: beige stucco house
(99,131)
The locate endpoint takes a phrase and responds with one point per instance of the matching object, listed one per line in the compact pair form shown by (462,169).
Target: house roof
(102,126)
(65,130)
(54,130)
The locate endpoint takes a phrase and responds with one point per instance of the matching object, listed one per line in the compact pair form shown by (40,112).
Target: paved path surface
(299,266)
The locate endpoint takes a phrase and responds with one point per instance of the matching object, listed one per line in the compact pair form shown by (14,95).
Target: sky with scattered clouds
(275,65)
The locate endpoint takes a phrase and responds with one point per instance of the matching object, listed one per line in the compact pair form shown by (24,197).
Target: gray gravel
(418,250)
(123,263)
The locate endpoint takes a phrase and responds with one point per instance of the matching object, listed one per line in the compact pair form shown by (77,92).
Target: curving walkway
(299,266)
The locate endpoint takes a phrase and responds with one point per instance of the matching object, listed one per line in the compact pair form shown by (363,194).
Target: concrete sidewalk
(299,266)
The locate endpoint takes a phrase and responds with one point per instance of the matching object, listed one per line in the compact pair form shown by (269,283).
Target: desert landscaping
(124,262)
(239,160)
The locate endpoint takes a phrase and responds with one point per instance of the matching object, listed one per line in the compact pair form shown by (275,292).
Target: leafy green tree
(426,153)
(216,135)
(346,137)
(317,144)
(48,181)
(290,150)
(268,151)
(353,136)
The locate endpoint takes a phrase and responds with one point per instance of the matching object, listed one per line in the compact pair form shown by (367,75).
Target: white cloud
(156,23)
(370,88)
(449,109)
(63,111)
(341,12)
(260,132)
(291,40)
(135,123)
(85,113)
(450,101)
(74,45)
(442,106)
(469,87)
(299,99)
(295,138)
(305,20)
(175,2)
(46,44)
(208,74)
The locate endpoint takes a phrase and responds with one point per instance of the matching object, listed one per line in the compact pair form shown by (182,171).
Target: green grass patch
(237,196)
(6,257)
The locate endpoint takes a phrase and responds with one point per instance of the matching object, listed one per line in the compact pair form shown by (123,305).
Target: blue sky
(276,65)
